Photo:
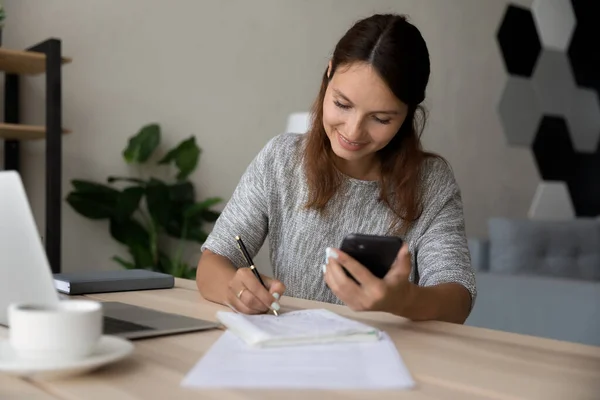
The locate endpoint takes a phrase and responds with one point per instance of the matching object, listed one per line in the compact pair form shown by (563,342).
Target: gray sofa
(539,278)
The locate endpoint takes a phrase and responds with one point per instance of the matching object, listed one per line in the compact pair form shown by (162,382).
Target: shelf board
(24,62)
(23,132)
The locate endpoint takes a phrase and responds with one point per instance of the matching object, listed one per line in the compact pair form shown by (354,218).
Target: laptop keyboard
(113,326)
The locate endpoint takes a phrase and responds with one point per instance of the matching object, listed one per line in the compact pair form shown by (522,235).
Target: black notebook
(85,282)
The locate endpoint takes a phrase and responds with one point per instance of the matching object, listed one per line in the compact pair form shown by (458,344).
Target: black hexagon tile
(584,53)
(553,83)
(584,121)
(518,40)
(553,150)
(584,185)
(519,112)
(557,161)
(585,10)
(555,22)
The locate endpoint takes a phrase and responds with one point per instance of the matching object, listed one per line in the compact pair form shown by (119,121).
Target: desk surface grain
(447,360)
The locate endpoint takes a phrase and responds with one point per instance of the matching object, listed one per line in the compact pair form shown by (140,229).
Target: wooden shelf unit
(24,132)
(24,62)
(42,58)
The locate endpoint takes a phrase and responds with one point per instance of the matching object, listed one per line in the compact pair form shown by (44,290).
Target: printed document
(232,363)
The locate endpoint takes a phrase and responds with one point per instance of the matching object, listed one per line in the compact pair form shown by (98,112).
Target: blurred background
(512,100)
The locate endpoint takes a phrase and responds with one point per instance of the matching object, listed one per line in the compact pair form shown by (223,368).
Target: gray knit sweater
(269,200)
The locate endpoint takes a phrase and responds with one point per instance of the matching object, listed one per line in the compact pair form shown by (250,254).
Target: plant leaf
(126,264)
(143,257)
(194,230)
(210,216)
(90,206)
(174,228)
(179,270)
(158,201)
(197,235)
(190,273)
(198,209)
(182,269)
(185,155)
(182,196)
(164,263)
(129,232)
(93,200)
(142,145)
(113,179)
(89,187)
(182,192)
(128,202)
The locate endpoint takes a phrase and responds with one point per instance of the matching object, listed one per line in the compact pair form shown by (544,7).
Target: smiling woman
(359,169)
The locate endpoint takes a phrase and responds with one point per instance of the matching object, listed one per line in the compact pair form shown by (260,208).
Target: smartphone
(376,253)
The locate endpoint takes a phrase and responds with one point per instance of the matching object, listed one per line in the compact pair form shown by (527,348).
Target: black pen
(250,263)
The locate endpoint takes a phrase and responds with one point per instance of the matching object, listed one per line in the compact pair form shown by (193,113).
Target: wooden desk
(447,361)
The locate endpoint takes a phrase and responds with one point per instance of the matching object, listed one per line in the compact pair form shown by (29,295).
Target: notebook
(86,282)
(296,328)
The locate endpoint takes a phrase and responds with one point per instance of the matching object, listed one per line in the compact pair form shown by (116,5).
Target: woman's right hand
(248,296)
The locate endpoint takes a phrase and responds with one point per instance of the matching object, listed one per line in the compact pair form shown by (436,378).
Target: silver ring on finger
(239,294)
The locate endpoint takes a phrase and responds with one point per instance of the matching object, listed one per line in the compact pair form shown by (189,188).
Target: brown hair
(397,51)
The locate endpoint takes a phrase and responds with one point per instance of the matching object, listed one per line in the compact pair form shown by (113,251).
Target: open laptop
(26,276)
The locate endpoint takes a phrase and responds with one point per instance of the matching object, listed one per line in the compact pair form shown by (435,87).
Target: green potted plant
(143,212)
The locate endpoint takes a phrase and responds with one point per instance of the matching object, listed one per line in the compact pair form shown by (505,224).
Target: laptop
(26,276)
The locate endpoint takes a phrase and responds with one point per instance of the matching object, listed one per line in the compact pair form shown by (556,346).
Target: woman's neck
(365,169)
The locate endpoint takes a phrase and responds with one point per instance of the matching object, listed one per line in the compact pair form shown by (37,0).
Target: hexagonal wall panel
(584,121)
(556,45)
(553,83)
(518,40)
(585,10)
(555,22)
(553,150)
(552,201)
(519,111)
(583,50)
(584,185)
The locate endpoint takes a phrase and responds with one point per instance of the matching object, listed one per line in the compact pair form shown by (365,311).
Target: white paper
(304,326)
(231,363)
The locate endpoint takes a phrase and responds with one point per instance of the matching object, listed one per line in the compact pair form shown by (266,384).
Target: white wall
(230,71)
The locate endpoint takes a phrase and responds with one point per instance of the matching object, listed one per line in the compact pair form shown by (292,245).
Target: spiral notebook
(296,328)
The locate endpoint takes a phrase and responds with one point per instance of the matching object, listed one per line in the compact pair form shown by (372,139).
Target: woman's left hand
(391,294)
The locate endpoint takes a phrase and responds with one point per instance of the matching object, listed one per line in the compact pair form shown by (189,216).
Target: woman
(360,169)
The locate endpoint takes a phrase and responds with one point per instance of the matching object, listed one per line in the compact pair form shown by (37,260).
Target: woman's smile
(349,145)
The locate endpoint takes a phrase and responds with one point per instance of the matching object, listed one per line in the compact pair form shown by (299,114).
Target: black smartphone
(376,253)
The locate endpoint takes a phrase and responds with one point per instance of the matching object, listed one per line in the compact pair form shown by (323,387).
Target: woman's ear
(329,70)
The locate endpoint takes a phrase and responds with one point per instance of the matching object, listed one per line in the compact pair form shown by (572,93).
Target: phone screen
(376,253)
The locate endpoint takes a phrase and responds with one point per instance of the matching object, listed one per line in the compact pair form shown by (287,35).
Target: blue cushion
(480,253)
(569,249)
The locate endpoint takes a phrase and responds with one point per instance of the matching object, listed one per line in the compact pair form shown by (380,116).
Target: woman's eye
(382,121)
(340,105)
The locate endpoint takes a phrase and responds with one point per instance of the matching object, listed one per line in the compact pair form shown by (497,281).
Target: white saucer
(109,349)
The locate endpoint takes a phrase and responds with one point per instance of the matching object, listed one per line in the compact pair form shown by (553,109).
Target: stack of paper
(356,364)
(296,327)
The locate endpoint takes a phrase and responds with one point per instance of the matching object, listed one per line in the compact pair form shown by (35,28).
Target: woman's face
(361,115)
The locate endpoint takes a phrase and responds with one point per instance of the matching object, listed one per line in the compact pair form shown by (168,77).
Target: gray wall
(230,72)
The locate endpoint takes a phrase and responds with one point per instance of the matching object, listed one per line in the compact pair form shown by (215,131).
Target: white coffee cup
(68,330)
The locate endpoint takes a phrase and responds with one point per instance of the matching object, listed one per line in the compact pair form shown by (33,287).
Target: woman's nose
(354,128)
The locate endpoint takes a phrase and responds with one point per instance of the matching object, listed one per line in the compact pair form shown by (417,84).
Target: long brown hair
(397,51)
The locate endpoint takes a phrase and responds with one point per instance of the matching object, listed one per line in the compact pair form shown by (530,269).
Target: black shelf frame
(12,148)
